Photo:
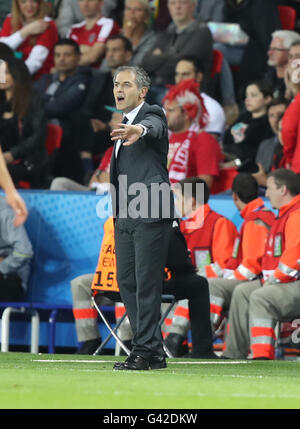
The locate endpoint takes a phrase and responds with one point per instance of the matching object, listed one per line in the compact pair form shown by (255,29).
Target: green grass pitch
(45,381)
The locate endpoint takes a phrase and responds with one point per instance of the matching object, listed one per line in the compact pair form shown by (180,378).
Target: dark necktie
(120,144)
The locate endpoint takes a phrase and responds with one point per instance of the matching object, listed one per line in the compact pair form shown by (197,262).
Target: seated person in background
(270,152)
(210,238)
(92,33)
(242,139)
(191,153)
(184,36)
(257,305)
(32,34)
(136,27)
(64,93)
(15,256)
(23,125)
(68,14)
(189,67)
(278,55)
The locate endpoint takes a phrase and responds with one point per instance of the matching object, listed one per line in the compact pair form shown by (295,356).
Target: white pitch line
(113,361)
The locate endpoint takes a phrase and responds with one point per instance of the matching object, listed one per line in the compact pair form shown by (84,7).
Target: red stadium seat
(217,62)
(287,17)
(224,181)
(53,138)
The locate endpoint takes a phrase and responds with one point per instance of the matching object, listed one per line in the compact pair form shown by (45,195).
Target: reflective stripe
(227,273)
(85,323)
(263,350)
(216,300)
(245,272)
(182,312)
(263,339)
(82,304)
(85,313)
(262,323)
(216,307)
(285,269)
(119,311)
(217,269)
(214,317)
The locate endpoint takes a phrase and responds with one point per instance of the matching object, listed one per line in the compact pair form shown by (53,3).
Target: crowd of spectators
(57,63)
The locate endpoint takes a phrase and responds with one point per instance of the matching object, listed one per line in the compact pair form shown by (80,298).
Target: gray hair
(141,77)
(288,37)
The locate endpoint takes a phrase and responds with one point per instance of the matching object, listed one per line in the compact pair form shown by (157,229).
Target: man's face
(66,59)
(90,8)
(274,114)
(274,193)
(181,11)
(278,55)
(126,92)
(186,70)
(175,116)
(115,53)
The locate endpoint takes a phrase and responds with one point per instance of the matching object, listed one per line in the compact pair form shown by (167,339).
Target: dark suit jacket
(144,163)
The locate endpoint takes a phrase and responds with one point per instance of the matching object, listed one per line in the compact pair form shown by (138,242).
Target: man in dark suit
(143,222)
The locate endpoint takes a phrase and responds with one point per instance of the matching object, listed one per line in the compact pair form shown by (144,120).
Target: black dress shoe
(158,362)
(132,363)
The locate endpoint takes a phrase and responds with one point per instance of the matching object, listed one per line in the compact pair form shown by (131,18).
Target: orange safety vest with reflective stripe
(201,242)
(278,262)
(244,264)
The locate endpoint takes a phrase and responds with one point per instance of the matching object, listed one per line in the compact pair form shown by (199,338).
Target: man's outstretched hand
(129,133)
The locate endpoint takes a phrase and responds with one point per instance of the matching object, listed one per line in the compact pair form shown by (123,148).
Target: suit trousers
(141,254)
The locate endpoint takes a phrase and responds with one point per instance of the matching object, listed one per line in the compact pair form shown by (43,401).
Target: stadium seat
(223,182)
(217,63)
(54,137)
(287,17)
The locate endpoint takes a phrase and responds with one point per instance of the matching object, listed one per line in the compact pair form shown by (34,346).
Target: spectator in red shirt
(28,31)
(92,33)
(191,153)
(291,118)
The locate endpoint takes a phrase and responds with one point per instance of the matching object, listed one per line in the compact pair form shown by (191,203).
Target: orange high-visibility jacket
(245,263)
(280,262)
(210,238)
